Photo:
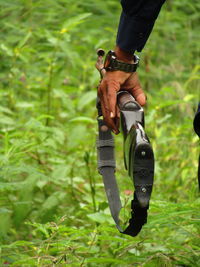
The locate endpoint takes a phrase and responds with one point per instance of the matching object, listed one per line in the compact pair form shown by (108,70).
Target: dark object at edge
(196,124)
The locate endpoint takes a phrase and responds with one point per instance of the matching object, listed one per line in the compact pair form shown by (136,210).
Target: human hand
(112,82)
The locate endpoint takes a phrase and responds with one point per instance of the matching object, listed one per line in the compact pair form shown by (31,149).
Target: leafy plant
(53,209)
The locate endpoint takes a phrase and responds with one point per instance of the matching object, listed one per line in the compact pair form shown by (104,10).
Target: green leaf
(5,221)
(50,205)
(5,120)
(6,50)
(25,39)
(188,98)
(99,217)
(83,119)
(86,99)
(105,260)
(24,204)
(74,21)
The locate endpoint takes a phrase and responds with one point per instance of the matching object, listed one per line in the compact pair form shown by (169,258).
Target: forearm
(136,23)
(123,55)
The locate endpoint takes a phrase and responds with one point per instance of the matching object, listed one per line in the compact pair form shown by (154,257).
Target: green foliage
(53,209)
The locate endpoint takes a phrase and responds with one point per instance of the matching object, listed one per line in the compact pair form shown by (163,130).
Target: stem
(49,92)
(91,180)
(92,188)
(72,182)
(49,85)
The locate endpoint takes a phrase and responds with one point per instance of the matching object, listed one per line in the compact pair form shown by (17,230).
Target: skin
(114,81)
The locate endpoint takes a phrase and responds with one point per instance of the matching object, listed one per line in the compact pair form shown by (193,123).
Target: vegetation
(53,209)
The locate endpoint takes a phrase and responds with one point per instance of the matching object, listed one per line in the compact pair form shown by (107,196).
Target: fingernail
(116,131)
(111,115)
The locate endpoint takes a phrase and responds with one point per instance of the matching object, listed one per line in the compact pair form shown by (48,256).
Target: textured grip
(105,148)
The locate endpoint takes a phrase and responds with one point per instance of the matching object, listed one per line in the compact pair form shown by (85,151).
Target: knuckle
(113,84)
(110,95)
(100,90)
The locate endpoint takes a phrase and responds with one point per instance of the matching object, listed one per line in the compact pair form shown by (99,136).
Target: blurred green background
(53,209)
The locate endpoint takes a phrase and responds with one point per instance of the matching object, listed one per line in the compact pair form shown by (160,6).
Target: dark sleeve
(136,23)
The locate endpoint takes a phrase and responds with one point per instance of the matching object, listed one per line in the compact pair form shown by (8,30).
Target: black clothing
(197,121)
(136,23)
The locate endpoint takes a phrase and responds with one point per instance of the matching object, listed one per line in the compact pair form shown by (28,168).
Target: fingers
(106,107)
(136,90)
(107,91)
(112,89)
(141,99)
(139,95)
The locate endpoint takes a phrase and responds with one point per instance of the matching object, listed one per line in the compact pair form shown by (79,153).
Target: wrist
(124,55)
(123,62)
